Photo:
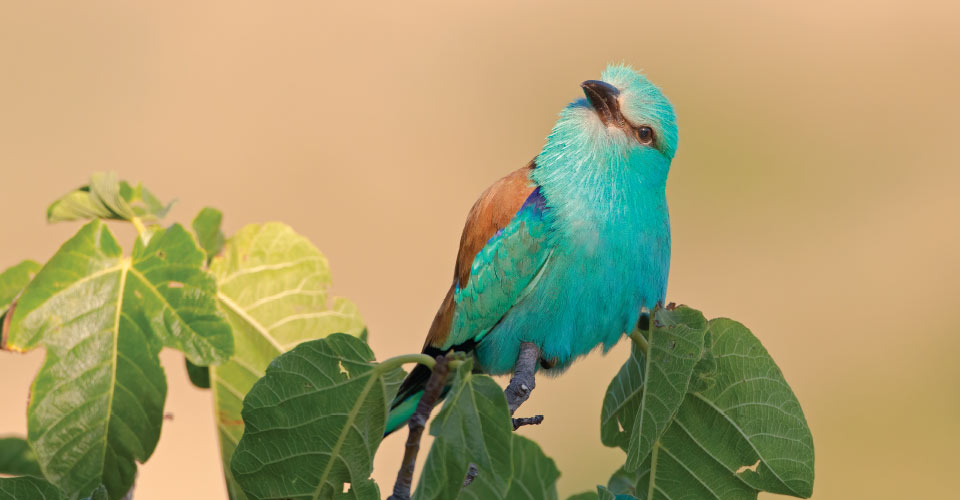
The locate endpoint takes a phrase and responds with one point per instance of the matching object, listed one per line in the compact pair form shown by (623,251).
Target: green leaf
(274,290)
(99,494)
(647,392)
(178,297)
(199,375)
(37,488)
(744,434)
(534,473)
(96,405)
(206,225)
(313,422)
(145,205)
(472,427)
(28,488)
(443,472)
(107,197)
(13,280)
(623,481)
(364,490)
(17,459)
(705,371)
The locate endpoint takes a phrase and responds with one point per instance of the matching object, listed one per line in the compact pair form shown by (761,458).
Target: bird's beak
(603,97)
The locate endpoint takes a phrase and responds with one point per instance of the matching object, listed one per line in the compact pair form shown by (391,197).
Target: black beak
(603,98)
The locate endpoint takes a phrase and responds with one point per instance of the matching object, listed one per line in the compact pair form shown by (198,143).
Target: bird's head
(623,122)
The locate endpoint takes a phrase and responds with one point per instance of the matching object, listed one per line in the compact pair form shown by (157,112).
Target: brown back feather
(491,213)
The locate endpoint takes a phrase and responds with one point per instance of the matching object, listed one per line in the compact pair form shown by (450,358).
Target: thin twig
(431,393)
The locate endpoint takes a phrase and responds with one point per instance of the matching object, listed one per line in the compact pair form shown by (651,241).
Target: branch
(519,389)
(431,393)
(523,382)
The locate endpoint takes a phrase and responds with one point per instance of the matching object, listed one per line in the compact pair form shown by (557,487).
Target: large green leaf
(96,405)
(472,427)
(314,422)
(274,289)
(647,392)
(107,197)
(743,434)
(17,459)
(28,488)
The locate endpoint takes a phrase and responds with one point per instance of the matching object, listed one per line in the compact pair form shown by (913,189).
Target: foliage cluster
(699,408)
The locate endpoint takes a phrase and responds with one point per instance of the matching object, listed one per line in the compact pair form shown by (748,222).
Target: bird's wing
(502,250)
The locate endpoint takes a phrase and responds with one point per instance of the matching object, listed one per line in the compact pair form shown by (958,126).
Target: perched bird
(567,252)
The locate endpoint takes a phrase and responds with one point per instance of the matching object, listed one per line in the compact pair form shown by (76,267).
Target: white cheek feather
(600,135)
(627,111)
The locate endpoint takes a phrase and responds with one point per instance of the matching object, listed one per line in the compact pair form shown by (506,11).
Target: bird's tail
(408,397)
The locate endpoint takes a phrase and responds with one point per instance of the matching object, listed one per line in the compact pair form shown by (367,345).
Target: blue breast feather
(568,289)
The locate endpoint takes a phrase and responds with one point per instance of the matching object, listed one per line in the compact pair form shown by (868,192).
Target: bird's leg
(524,376)
(523,382)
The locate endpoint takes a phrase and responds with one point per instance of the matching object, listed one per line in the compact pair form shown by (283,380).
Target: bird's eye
(644,135)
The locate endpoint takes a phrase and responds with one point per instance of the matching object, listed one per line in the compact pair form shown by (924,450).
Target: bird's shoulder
(492,212)
(496,208)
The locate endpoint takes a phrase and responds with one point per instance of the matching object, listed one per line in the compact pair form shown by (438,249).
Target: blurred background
(813,197)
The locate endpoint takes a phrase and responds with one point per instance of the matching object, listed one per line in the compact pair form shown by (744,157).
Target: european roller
(568,251)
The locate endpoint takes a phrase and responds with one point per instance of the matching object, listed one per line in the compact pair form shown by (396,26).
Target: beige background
(813,196)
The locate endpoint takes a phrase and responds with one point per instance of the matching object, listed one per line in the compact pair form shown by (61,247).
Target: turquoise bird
(570,250)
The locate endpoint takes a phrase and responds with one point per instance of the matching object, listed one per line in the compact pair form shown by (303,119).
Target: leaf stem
(141,229)
(391,363)
(641,341)
(653,469)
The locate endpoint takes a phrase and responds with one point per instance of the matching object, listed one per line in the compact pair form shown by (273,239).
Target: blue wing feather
(502,272)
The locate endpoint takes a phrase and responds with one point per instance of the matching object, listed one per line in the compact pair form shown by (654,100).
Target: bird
(569,251)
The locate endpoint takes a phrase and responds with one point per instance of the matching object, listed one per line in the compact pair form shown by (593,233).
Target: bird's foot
(520,422)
